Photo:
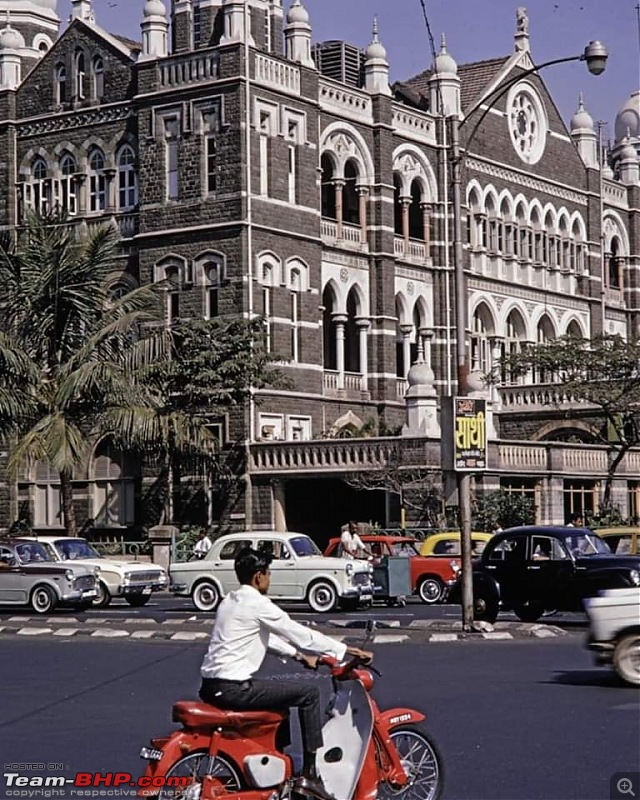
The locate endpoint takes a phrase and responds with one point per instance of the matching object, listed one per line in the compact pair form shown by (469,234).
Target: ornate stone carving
(83,119)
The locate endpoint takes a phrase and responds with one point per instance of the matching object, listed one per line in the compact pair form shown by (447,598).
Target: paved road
(164,606)
(526,720)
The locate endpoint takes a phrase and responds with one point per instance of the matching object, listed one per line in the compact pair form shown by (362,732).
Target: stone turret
(376,66)
(82,9)
(297,35)
(444,84)
(155,30)
(584,135)
(11,43)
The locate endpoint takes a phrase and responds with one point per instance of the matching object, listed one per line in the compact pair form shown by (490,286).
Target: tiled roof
(135,46)
(474,78)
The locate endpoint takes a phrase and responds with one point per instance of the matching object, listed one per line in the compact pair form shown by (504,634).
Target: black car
(534,569)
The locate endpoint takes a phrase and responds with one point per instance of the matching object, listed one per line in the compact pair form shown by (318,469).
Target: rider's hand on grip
(309,662)
(363,656)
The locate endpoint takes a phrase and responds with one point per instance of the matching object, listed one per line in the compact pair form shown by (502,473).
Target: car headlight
(455,566)
(69,575)
(126,578)
(348,568)
(635,577)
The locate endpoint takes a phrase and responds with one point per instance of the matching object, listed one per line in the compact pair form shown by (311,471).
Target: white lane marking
(443,637)
(34,631)
(497,635)
(112,634)
(187,636)
(65,632)
(391,638)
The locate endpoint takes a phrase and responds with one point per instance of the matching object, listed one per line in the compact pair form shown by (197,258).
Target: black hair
(249,562)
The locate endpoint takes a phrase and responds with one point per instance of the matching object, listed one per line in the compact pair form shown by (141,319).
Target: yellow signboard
(470,434)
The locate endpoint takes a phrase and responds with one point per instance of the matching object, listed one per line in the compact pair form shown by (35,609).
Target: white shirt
(351,543)
(247,625)
(202,546)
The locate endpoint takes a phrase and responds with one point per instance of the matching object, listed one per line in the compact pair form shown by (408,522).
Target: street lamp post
(595,55)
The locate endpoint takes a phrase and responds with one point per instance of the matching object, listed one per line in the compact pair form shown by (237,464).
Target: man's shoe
(312,787)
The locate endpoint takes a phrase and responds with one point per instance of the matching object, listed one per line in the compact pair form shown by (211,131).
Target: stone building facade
(253,184)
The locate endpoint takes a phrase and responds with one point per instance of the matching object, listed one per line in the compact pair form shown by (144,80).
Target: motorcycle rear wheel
(421,759)
(196,766)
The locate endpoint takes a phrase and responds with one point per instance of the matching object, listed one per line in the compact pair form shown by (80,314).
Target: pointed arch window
(97,78)
(213,273)
(97,181)
(81,75)
(113,488)
(65,187)
(61,84)
(38,192)
(127,178)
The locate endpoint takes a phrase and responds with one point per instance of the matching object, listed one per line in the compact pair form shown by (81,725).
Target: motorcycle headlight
(69,575)
(635,577)
(349,568)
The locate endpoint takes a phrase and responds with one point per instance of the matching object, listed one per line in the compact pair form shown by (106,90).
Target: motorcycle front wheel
(422,763)
(191,770)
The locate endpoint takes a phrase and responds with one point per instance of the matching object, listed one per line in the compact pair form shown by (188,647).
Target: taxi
(623,541)
(447,543)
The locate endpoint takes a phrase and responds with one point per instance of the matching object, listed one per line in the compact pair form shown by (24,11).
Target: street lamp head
(596,55)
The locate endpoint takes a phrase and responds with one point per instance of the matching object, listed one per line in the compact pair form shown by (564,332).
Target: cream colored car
(130,580)
(299,572)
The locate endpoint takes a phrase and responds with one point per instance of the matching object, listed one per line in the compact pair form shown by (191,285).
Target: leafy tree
(603,374)
(501,509)
(214,366)
(67,357)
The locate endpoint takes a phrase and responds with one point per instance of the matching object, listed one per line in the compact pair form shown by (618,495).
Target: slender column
(110,175)
(405,202)
(279,514)
(495,343)
(82,194)
(363,328)
(406,331)
(426,226)
(339,186)
(363,199)
(340,321)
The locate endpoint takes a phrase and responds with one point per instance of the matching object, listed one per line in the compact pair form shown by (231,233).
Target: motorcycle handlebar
(342,670)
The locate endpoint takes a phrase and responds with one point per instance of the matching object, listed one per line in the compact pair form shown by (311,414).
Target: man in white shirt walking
(247,625)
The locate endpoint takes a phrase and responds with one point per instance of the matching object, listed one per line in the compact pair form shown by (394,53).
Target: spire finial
(580,102)
(443,43)
(376,32)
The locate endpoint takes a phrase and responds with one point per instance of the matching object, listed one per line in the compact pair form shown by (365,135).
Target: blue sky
(475,29)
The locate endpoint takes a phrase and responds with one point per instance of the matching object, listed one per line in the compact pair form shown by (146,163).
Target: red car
(431,576)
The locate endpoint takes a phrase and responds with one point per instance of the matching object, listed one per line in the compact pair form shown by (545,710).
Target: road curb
(438,632)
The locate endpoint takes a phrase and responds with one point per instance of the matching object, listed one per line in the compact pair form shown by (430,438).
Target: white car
(128,579)
(614,631)
(299,572)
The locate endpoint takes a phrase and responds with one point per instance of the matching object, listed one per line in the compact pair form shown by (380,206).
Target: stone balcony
(345,236)
(536,397)
(520,458)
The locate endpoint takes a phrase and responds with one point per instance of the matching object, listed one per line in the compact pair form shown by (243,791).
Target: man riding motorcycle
(248,624)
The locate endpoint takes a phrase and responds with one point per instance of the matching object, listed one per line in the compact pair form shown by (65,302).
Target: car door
(12,580)
(506,563)
(549,572)
(221,562)
(284,573)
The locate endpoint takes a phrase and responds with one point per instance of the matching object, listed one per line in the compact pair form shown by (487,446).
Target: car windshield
(32,553)
(587,544)
(75,549)
(406,549)
(304,546)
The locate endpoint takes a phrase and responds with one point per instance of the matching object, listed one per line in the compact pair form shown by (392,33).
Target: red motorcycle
(367,754)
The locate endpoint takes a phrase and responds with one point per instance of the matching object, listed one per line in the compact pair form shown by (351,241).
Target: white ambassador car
(128,579)
(299,572)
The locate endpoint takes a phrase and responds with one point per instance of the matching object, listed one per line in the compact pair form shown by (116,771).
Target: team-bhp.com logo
(16,783)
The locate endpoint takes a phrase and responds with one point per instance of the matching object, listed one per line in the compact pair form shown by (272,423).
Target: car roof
(254,534)
(454,535)
(614,531)
(557,530)
(50,538)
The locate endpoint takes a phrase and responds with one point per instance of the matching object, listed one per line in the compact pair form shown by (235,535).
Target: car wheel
(626,658)
(138,600)
(103,598)
(322,597)
(206,596)
(430,590)
(485,608)
(43,599)
(529,612)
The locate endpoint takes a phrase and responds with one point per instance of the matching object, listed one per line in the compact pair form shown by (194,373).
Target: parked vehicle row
(43,572)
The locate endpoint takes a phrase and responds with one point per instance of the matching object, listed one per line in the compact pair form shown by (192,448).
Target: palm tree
(70,359)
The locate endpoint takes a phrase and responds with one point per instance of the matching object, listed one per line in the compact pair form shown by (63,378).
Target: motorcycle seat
(202,715)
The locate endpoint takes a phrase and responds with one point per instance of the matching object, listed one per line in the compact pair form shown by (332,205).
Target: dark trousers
(257,695)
